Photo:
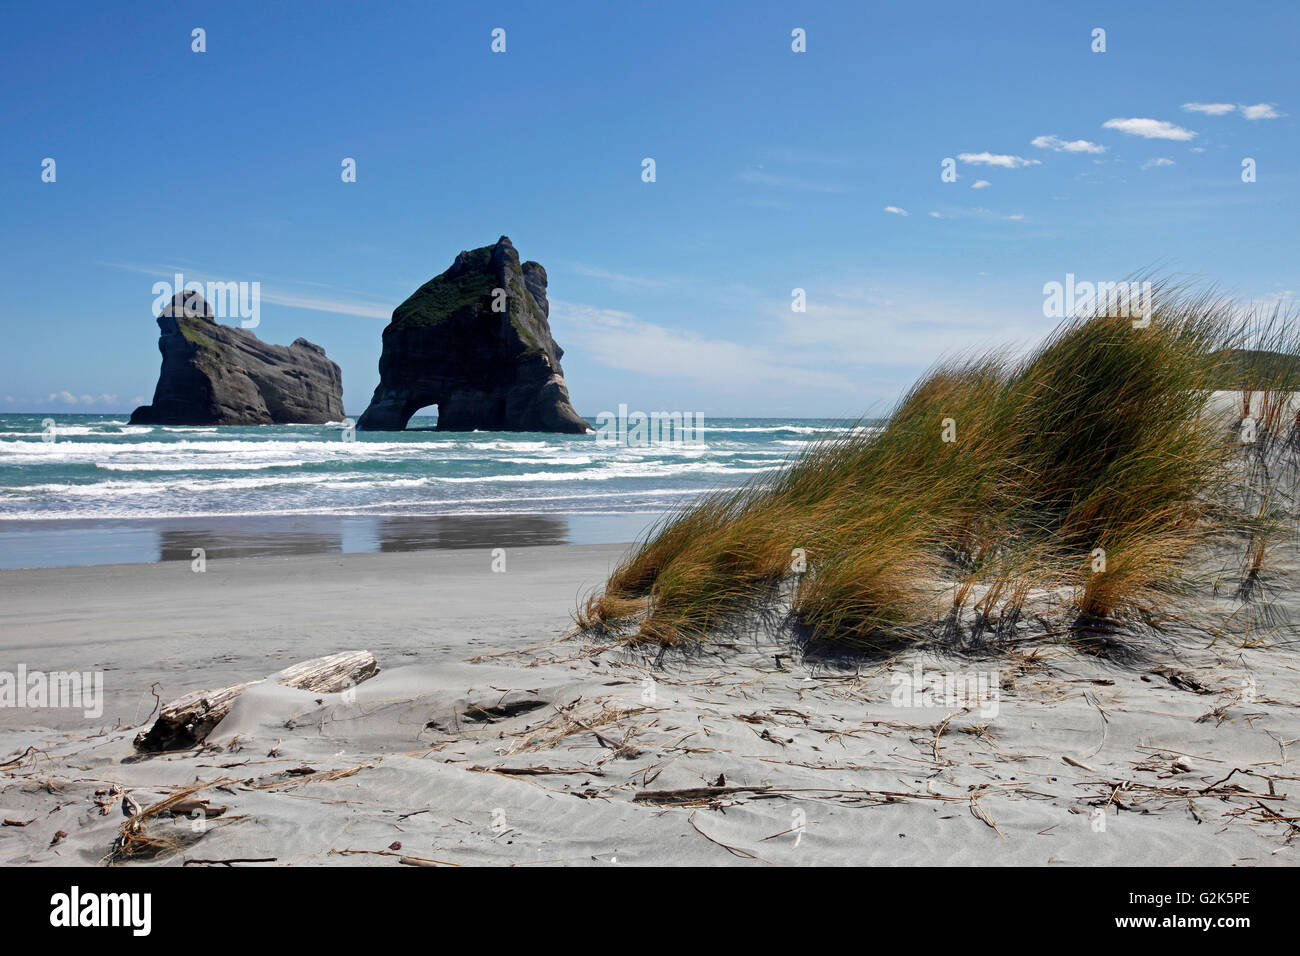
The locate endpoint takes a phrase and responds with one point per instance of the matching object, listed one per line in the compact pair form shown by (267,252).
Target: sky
(774,170)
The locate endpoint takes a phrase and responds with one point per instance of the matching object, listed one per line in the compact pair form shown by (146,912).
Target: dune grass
(1090,477)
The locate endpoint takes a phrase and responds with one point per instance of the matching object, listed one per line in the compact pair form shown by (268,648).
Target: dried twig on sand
(537,771)
(569,719)
(734,850)
(230,862)
(691,796)
(134,840)
(10,761)
(291,778)
(401,857)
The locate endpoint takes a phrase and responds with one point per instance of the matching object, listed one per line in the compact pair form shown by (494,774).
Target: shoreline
(36,543)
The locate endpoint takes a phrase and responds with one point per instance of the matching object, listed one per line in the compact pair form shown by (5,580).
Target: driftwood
(232,861)
(332,674)
(187,721)
(691,795)
(537,771)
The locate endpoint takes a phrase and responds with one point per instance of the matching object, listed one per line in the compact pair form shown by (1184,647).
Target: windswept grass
(1088,478)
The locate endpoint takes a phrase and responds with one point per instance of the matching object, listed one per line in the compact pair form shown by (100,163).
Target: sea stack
(221,375)
(475,341)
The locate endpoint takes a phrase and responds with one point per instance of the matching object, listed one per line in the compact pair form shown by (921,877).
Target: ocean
(105,492)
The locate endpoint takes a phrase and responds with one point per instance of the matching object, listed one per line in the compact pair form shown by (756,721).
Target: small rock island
(216,374)
(475,341)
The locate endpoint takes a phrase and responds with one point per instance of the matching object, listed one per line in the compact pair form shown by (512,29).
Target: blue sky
(775,170)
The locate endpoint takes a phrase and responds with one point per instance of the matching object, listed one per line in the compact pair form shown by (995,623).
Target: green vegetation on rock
(443,296)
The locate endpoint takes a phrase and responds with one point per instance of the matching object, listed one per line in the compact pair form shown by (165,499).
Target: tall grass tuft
(1089,478)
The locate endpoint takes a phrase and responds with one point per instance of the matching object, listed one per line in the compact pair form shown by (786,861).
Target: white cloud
(1056,144)
(1016,217)
(293,300)
(997,159)
(1260,111)
(67,398)
(1158,161)
(1149,128)
(1256,112)
(621,341)
(970,212)
(980,184)
(873,327)
(896,211)
(855,348)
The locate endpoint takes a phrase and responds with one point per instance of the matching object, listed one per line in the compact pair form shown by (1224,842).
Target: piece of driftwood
(332,674)
(232,861)
(187,721)
(538,771)
(691,794)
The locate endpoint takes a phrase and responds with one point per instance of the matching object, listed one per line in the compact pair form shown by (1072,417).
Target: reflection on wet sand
(333,534)
(55,543)
(470,531)
(231,540)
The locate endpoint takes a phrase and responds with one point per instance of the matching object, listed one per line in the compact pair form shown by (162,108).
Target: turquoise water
(104,491)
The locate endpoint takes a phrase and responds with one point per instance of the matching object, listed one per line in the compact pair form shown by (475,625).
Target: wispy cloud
(1149,128)
(997,159)
(896,210)
(622,278)
(65,397)
(291,300)
(760,177)
(273,291)
(857,344)
(620,340)
(1258,111)
(980,184)
(972,212)
(875,326)
(1157,162)
(1058,145)
(1210,109)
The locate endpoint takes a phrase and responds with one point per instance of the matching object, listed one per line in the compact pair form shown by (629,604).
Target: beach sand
(489,737)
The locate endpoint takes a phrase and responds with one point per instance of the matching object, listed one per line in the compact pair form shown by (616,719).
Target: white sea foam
(360,480)
(106,469)
(200,465)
